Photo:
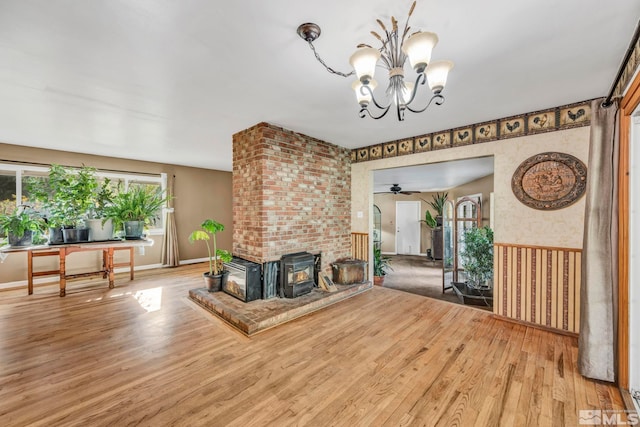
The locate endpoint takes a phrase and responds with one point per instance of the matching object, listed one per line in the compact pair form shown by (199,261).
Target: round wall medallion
(549,181)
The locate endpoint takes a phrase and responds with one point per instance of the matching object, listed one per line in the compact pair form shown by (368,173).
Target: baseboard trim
(536,325)
(193,261)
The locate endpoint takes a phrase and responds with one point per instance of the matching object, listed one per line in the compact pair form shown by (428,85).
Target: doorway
(422,273)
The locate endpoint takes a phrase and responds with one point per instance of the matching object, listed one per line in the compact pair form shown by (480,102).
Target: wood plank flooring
(143,354)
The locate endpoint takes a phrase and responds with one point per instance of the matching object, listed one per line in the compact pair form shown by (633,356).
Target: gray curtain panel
(170,254)
(599,291)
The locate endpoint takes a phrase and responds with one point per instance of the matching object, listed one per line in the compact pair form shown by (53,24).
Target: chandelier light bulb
(364,61)
(437,73)
(418,48)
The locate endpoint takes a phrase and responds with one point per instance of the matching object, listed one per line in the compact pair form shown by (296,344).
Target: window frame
(23,170)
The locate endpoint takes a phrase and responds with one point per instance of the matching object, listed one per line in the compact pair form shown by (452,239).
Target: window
(13,180)
(7,191)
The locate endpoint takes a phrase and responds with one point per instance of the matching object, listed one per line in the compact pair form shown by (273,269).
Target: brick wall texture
(291,193)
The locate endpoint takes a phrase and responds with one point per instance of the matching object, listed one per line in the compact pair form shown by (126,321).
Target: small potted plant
(66,197)
(437,203)
(380,266)
(21,226)
(217,275)
(136,208)
(98,221)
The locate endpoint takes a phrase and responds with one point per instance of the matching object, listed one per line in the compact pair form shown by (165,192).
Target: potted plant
(437,203)
(217,275)
(66,197)
(435,223)
(380,266)
(98,221)
(136,208)
(42,191)
(20,226)
(476,254)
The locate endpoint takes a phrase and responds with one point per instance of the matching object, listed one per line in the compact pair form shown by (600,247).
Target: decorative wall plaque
(549,181)
(423,143)
(406,146)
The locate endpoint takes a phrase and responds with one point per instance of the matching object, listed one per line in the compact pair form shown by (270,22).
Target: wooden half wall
(360,246)
(539,285)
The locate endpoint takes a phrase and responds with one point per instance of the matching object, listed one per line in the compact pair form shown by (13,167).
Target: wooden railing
(360,246)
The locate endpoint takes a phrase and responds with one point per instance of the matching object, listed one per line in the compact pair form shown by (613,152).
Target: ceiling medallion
(396,47)
(549,181)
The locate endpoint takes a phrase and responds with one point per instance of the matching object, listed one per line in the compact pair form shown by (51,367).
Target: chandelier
(396,48)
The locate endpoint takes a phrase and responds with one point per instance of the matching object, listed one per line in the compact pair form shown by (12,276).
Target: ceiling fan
(396,189)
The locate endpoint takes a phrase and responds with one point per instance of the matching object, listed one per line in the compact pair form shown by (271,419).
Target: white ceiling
(172,81)
(433,177)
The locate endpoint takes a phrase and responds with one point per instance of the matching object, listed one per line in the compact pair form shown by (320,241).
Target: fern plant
(139,203)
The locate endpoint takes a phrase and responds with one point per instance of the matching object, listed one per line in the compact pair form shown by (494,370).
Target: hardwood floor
(143,354)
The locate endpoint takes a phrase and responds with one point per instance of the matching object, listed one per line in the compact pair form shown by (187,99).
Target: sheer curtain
(170,255)
(599,290)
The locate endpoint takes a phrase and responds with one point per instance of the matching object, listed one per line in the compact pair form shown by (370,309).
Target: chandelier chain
(329,69)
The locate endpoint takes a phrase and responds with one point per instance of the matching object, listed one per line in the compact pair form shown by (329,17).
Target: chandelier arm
(364,110)
(373,98)
(329,69)
(439,100)
(420,80)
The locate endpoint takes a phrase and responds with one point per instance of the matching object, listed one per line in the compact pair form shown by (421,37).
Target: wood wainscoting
(539,285)
(360,246)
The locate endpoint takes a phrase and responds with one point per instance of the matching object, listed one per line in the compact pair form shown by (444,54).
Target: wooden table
(108,266)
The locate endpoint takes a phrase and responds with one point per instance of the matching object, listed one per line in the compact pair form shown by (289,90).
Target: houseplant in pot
(98,221)
(21,226)
(135,208)
(476,254)
(437,203)
(42,191)
(381,265)
(66,197)
(217,275)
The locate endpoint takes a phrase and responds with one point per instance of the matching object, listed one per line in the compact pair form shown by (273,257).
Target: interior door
(408,228)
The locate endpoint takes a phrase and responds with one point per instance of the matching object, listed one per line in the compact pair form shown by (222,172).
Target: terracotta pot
(378,280)
(215,282)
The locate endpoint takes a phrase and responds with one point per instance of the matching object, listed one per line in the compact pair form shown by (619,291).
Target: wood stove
(296,274)
(244,282)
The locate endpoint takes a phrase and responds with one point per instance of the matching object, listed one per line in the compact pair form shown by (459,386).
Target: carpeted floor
(418,275)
